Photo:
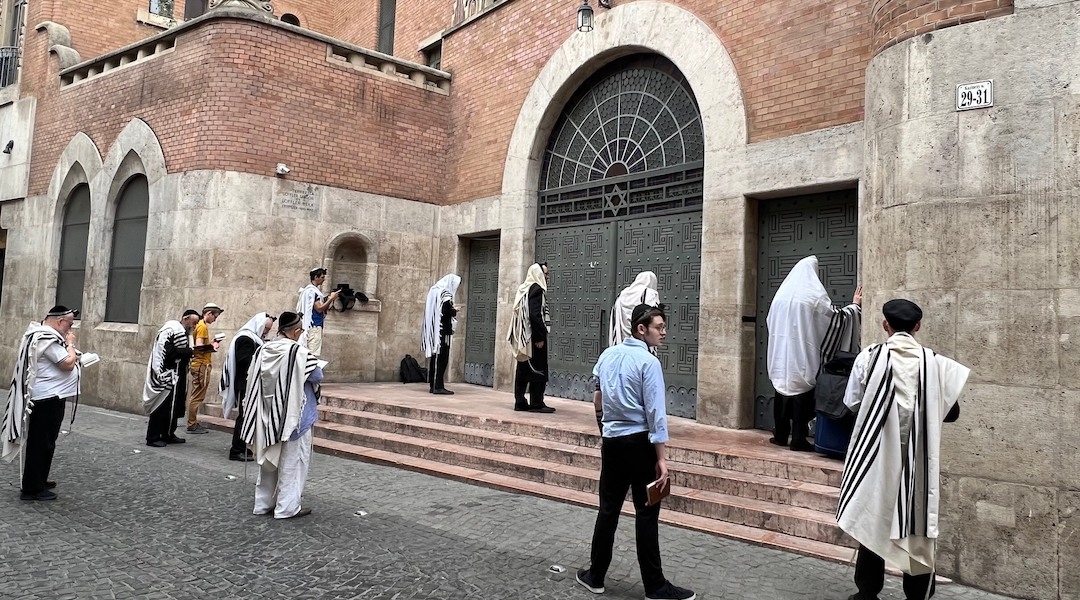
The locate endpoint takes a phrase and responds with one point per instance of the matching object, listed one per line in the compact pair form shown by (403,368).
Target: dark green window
(71,275)
(128,251)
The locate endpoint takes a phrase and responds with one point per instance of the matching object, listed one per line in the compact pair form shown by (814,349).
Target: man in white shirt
(312,307)
(46,376)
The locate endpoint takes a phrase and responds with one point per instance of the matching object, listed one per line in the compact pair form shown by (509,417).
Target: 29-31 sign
(975,95)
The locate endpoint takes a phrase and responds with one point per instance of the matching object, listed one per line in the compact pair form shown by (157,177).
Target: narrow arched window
(291,19)
(128,250)
(71,274)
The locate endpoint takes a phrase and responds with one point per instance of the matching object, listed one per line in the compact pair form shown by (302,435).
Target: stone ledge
(118,327)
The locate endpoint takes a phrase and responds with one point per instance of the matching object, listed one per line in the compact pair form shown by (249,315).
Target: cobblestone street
(139,522)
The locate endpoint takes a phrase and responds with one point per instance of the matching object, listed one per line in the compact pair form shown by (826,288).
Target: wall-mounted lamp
(585,17)
(9,146)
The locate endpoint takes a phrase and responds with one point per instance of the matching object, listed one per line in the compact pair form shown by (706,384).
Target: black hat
(316,272)
(639,313)
(902,315)
(191,311)
(288,320)
(60,310)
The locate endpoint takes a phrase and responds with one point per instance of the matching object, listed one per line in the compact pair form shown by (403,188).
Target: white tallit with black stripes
(275,396)
(161,378)
(252,330)
(890,492)
(520,334)
(19,406)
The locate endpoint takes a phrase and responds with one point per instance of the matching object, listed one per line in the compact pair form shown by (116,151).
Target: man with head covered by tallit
(436,332)
(643,290)
(901,392)
(233,384)
(805,331)
(529,327)
(280,409)
(165,391)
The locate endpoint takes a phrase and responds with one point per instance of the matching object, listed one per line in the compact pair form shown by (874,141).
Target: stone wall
(16,126)
(974,216)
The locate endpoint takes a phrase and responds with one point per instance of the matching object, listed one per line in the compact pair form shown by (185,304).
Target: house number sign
(970,96)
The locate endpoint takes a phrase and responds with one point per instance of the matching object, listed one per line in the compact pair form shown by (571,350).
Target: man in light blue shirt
(630,406)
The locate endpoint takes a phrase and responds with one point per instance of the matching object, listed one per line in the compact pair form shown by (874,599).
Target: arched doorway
(620,192)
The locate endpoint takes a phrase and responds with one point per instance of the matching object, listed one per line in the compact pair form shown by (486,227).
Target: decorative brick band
(897,20)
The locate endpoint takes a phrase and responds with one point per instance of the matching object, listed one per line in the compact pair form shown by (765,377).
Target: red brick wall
(242,96)
(357,22)
(801,68)
(898,20)
(416,23)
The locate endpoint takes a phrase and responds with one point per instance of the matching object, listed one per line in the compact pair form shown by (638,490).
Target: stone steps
(727,482)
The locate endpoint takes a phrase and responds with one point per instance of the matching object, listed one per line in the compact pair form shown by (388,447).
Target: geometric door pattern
(590,265)
(790,229)
(483,299)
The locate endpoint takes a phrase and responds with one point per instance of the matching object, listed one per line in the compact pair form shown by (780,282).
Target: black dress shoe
(521,407)
(157,444)
(802,446)
(174,439)
(543,408)
(42,496)
(443,392)
(773,440)
(50,485)
(241,457)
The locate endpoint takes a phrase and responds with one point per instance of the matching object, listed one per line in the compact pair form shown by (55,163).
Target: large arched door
(621,193)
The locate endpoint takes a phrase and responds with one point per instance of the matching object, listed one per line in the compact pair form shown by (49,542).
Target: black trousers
(43,427)
(792,416)
(437,365)
(870,578)
(527,378)
(238,448)
(628,462)
(162,425)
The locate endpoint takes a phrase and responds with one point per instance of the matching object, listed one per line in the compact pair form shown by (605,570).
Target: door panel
(483,299)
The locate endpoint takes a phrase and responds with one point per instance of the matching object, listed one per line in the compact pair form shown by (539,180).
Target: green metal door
(483,304)
(790,229)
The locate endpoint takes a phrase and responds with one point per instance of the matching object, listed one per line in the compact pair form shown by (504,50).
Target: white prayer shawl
(275,396)
(443,291)
(805,329)
(35,340)
(252,330)
(641,291)
(305,306)
(161,380)
(520,335)
(890,490)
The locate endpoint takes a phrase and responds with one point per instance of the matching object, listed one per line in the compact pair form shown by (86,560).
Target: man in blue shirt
(630,406)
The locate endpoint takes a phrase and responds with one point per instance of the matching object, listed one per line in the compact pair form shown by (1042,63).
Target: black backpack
(411,371)
(832,382)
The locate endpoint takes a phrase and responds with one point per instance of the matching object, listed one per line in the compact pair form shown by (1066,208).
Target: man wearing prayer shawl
(901,392)
(233,383)
(439,325)
(280,408)
(805,331)
(641,291)
(165,391)
(46,376)
(312,307)
(529,327)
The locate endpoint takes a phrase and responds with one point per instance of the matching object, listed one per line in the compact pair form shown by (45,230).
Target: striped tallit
(252,330)
(275,396)
(443,291)
(520,335)
(889,493)
(643,290)
(162,375)
(19,406)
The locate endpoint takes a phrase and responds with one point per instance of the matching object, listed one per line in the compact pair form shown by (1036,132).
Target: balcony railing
(9,65)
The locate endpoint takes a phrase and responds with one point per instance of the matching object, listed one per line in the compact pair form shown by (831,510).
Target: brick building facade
(817,127)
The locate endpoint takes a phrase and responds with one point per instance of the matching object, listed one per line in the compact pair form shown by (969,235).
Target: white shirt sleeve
(55,353)
(856,385)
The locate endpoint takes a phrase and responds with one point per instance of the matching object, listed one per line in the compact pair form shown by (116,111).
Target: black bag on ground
(832,382)
(411,371)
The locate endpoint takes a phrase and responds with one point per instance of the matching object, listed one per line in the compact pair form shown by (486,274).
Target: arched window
(128,250)
(291,19)
(71,274)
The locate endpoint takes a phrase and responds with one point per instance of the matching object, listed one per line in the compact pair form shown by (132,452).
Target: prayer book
(657,491)
(322,363)
(88,358)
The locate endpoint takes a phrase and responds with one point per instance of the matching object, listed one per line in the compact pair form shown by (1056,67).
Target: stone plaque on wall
(298,200)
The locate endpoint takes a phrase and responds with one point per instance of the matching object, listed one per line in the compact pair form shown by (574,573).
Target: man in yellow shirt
(201,366)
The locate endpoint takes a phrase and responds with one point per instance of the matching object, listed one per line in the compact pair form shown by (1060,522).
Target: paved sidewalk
(140,522)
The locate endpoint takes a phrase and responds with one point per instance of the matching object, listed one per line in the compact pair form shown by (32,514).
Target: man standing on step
(631,410)
(234,377)
(280,409)
(165,392)
(312,308)
(529,328)
(901,393)
(202,365)
(435,335)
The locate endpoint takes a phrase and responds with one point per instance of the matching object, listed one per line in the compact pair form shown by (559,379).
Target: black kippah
(901,314)
(60,310)
(288,320)
(191,311)
(639,312)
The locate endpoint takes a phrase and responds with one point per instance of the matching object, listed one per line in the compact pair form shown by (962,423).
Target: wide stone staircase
(726,482)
